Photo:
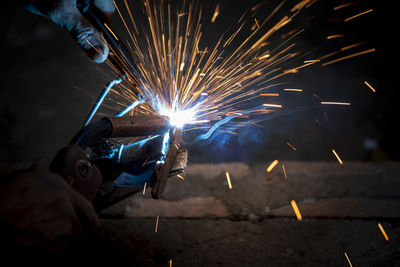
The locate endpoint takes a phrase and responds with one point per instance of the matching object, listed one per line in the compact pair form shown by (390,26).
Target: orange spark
(284,171)
(156,229)
(360,14)
(337,156)
(258,26)
(312,61)
(272,165)
(349,56)
(296,210)
(270,94)
(108,28)
(228,178)
(289,144)
(370,87)
(348,260)
(383,232)
(344,5)
(180,177)
(293,90)
(216,13)
(334,36)
(351,46)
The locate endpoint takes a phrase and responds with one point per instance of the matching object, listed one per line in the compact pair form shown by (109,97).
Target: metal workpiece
(138,125)
(163,169)
(127,126)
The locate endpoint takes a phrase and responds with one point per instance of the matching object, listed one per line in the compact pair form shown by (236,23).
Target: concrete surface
(341,208)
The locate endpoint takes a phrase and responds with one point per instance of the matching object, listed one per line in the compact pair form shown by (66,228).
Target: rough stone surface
(343,208)
(196,207)
(321,189)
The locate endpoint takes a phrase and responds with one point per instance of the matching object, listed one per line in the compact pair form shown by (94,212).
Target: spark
(156,228)
(336,103)
(351,46)
(198,122)
(269,94)
(312,61)
(326,117)
(289,144)
(337,156)
(284,171)
(170,263)
(360,14)
(370,87)
(272,165)
(334,36)
(180,177)
(345,5)
(272,105)
(216,13)
(296,210)
(208,88)
(293,90)
(228,178)
(258,25)
(182,66)
(144,188)
(348,260)
(349,56)
(383,232)
(108,28)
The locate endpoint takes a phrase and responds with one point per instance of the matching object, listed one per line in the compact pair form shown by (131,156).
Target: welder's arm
(66,14)
(39,210)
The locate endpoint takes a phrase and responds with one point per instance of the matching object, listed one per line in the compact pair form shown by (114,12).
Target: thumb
(67,15)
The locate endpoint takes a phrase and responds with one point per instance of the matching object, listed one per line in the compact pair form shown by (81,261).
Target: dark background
(41,108)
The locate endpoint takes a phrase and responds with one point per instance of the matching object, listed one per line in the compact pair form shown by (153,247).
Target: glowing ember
(284,171)
(228,178)
(293,90)
(272,165)
(289,144)
(336,103)
(334,36)
(156,228)
(216,13)
(144,189)
(370,87)
(360,14)
(272,105)
(348,260)
(180,177)
(337,156)
(296,210)
(383,232)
